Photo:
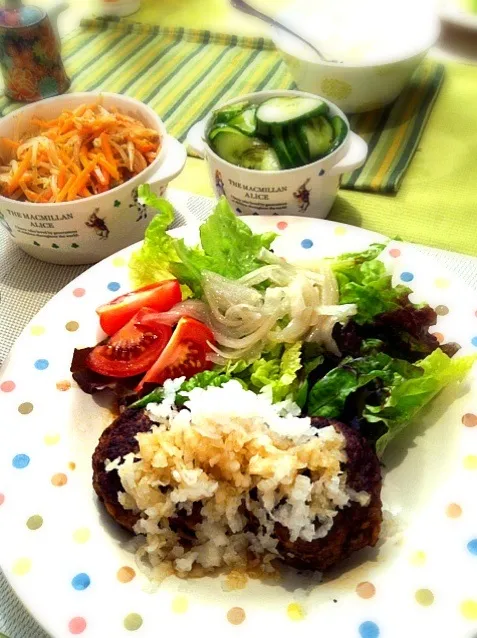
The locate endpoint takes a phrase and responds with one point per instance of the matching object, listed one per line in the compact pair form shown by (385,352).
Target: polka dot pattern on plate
(473,341)
(424,597)
(236,615)
(22,566)
(470,462)
(180,605)
(59,479)
(80,582)
(282,225)
(42,364)
(2,499)
(395,252)
(472,546)
(34,522)
(368,629)
(72,326)
(79,292)
(453,510)
(20,461)
(37,331)
(77,625)
(118,262)
(132,622)
(81,535)
(418,558)
(114,286)
(469,420)
(63,386)
(469,609)
(7,386)
(365,590)
(406,276)
(295,612)
(125,574)
(339,231)
(439,336)
(307,243)
(442,282)
(51,439)
(25,408)
(442,311)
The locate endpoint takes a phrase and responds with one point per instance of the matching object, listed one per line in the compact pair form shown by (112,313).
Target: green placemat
(183,73)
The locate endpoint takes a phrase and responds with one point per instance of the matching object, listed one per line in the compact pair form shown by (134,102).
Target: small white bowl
(356,86)
(88,230)
(308,190)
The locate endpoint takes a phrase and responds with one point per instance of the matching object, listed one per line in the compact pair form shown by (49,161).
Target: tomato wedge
(160,297)
(133,349)
(184,355)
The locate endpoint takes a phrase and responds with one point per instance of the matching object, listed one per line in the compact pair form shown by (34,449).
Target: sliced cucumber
(280,146)
(261,158)
(300,148)
(226,113)
(293,147)
(232,145)
(317,137)
(285,110)
(340,131)
(245,121)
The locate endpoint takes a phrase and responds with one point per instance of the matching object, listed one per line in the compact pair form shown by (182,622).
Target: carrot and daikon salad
(81,153)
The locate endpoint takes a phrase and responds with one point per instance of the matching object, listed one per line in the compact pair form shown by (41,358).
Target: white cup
(308,190)
(120,8)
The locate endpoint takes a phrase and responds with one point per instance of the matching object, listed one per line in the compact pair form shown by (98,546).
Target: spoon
(241,5)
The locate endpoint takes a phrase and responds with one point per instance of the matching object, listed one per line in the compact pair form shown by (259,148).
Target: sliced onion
(190,308)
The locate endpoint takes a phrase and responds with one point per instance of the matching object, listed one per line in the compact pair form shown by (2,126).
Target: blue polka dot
(81,582)
(474,341)
(407,276)
(20,461)
(306,243)
(113,286)
(472,546)
(369,629)
(41,364)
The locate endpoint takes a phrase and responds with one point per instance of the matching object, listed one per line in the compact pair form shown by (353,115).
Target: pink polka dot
(282,225)
(7,386)
(395,252)
(77,625)
(79,292)
(2,499)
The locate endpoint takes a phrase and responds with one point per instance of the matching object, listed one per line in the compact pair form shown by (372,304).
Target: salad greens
(386,367)
(229,248)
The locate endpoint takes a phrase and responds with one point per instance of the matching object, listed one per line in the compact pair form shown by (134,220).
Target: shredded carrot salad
(81,153)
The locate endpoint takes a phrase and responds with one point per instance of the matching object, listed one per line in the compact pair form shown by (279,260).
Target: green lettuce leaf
(363,280)
(409,396)
(328,396)
(228,247)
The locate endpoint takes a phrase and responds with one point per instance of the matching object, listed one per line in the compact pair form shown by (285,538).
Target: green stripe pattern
(183,73)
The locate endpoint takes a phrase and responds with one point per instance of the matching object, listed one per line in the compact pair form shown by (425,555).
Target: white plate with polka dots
(68,562)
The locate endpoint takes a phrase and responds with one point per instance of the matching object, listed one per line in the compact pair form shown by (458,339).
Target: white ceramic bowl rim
(88,96)
(266,95)
(279,36)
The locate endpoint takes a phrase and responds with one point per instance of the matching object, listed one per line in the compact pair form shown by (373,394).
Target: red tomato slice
(160,297)
(184,355)
(133,349)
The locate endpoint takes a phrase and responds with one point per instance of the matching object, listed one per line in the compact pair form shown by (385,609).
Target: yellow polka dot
(442,282)
(37,331)
(51,439)
(179,605)
(22,566)
(295,611)
(469,609)
(340,230)
(418,559)
(118,262)
(81,535)
(470,462)
(424,597)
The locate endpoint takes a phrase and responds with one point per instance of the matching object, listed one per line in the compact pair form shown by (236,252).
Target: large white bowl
(365,85)
(307,190)
(87,230)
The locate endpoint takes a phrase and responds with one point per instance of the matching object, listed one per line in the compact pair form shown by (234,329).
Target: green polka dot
(133,622)
(25,408)
(35,522)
